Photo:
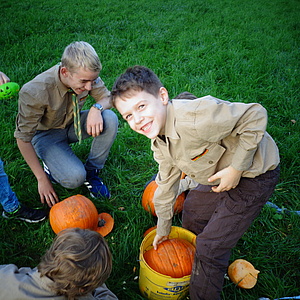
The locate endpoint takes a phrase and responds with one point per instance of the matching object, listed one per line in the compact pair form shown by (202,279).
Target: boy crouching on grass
(223,146)
(75,267)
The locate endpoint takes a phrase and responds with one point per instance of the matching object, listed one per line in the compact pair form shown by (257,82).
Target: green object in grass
(8,90)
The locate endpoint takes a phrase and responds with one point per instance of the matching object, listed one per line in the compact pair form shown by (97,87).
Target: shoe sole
(22,219)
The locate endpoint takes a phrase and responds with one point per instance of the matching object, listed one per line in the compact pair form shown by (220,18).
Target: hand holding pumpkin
(158,239)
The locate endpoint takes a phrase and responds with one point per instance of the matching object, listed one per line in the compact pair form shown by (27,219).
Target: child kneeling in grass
(223,146)
(75,267)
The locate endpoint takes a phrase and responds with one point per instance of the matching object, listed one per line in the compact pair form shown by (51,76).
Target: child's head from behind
(142,100)
(78,261)
(80,55)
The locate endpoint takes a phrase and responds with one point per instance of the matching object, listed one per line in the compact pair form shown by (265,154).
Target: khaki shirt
(204,136)
(26,283)
(45,103)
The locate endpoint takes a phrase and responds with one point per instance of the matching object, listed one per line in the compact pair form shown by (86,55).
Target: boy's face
(145,113)
(79,81)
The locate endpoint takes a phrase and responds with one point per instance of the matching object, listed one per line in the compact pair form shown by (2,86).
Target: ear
(164,95)
(64,71)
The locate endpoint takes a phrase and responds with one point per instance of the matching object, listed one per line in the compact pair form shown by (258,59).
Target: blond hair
(80,55)
(78,261)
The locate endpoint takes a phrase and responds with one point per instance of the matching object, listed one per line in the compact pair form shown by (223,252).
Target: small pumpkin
(75,211)
(243,274)
(173,257)
(105,224)
(148,195)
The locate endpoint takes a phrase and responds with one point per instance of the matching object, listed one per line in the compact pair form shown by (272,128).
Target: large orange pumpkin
(173,257)
(148,195)
(78,211)
(243,274)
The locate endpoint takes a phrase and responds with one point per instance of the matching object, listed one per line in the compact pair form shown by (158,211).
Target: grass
(244,51)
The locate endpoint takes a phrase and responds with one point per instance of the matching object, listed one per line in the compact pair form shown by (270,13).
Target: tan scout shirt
(204,136)
(27,284)
(45,103)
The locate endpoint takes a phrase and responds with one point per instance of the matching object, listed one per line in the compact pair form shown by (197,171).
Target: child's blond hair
(80,55)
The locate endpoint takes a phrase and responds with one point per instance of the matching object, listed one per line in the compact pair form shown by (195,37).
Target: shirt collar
(170,130)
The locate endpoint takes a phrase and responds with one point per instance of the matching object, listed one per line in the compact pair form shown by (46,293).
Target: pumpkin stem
(101,223)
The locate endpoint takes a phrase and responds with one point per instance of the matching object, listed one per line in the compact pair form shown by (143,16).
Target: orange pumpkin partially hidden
(149,230)
(105,224)
(75,211)
(243,274)
(148,195)
(173,257)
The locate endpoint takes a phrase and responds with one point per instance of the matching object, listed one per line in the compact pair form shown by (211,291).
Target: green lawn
(245,51)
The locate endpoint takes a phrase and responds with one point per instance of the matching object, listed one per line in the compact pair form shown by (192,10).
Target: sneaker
(95,185)
(26,214)
(47,171)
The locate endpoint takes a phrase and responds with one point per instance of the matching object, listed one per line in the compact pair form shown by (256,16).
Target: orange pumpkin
(75,211)
(173,257)
(149,230)
(243,274)
(148,195)
(105,224)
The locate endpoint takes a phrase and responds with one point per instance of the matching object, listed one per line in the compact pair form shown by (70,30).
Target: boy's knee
(73,180)
(110,119)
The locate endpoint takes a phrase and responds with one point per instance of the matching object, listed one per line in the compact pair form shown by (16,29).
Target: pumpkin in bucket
(79,211)
(173,257)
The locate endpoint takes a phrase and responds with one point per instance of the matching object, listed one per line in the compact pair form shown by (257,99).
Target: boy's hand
(158,239)
(94,124)
(229,179)
(46,191)
(3,78)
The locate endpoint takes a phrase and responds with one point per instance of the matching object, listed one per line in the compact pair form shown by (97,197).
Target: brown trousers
(219,220)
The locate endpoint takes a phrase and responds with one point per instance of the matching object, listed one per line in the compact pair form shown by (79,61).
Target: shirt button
(210,162)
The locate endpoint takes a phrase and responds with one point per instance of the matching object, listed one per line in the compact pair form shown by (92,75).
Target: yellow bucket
(154,285)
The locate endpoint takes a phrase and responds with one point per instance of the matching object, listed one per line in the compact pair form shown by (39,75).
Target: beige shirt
(27,284)
(204,136)
(45,103)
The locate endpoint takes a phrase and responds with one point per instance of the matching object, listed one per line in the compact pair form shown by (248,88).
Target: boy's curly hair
(135,79)
(78,261)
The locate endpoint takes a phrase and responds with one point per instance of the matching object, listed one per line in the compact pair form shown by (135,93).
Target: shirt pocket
(203,162)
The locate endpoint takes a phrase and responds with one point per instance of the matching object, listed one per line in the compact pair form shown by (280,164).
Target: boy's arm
(94,120)
(45,188)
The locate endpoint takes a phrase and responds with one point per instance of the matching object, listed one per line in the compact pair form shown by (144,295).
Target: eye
(141,106)
(128,117)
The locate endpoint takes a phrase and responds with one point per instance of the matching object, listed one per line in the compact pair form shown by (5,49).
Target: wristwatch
(98,106)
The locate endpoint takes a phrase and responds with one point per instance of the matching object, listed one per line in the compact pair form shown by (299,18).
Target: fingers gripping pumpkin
(79,211)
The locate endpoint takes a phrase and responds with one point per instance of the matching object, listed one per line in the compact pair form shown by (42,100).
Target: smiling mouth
(146,127)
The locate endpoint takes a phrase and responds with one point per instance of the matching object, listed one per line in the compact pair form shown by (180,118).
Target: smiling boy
(222,146)
(50,119)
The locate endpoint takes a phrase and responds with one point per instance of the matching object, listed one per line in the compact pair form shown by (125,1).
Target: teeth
(146,127)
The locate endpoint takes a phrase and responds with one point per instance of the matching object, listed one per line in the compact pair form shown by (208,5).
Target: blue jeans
(53,147)
(8,198)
